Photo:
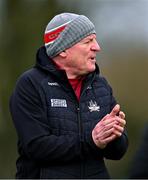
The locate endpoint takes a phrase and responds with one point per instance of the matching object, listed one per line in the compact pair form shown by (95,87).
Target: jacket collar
(43,61)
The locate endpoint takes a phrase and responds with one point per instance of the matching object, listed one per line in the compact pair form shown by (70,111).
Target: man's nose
(96,47)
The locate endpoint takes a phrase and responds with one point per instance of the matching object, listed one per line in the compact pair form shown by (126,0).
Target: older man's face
(82,56)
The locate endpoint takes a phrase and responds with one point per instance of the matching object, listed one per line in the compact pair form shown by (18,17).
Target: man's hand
(109,128)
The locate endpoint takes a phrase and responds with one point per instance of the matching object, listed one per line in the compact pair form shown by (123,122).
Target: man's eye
(86,42)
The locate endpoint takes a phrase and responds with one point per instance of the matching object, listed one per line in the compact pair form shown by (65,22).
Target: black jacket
(54,129)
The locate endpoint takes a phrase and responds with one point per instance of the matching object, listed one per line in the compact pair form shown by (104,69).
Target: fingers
(121,115)
(105,141)
(118,130)
(115,110)
(105,129)
(109,139)
(104,134)
(110,127)
(109,121)
(117,113)
(120,121)
(101,142)
(102,138)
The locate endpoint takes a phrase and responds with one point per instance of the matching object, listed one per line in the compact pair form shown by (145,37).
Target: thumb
(115,110)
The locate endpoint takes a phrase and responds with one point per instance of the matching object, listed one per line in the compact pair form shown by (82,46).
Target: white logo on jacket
(53,84)
(58,103)
(93,106)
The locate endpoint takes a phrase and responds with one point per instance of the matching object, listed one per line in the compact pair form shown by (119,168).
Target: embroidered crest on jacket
(93,106)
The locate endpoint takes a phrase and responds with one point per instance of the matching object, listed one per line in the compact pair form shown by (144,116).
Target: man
(64,112)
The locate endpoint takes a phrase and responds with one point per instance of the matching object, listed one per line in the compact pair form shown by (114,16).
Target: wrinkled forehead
(91,36)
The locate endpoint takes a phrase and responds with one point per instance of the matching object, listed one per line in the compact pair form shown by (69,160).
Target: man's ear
(63,54)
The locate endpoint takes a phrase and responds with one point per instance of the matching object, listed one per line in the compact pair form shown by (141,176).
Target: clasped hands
(109,128)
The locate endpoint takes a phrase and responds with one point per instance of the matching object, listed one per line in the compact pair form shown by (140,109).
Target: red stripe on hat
(52,35)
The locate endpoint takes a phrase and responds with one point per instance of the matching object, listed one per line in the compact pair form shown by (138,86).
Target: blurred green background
(122,31)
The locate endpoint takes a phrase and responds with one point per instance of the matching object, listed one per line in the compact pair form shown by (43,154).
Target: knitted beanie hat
(65,30)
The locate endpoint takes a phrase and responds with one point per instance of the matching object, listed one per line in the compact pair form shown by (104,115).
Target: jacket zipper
(81,140)
(80,124)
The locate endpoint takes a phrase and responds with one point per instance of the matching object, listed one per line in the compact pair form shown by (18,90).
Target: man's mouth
(93,58)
